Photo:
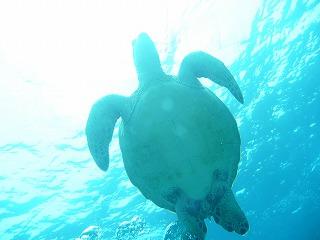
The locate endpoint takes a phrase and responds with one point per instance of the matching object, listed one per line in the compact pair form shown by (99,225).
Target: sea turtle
(180,144)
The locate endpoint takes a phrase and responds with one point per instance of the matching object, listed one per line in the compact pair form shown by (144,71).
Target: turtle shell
(177,137)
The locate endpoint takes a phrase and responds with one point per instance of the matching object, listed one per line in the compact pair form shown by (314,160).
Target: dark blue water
(51,189)
(280,130)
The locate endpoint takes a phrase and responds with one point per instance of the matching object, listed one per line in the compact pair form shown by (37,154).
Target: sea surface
(58,57)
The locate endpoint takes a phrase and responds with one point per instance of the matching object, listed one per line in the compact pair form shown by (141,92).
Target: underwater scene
(57,58)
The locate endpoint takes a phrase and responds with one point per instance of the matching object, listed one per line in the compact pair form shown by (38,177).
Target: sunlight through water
(58,57)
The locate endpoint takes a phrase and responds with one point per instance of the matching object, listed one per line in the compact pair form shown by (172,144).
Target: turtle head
(146,58)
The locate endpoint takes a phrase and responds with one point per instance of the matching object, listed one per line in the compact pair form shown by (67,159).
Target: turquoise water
(50,187)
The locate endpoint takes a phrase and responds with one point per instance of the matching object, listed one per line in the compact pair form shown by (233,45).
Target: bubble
(129,230)
(91,233)
(174,231)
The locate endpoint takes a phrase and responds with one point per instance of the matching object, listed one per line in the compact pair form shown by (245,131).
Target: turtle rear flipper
(189,216)
(200,64)
(100,125)
(229,215)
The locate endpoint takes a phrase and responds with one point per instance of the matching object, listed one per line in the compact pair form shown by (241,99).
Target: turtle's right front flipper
(100,125)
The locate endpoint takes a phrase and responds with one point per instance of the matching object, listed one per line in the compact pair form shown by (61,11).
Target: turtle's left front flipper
(201,64)
(100,125)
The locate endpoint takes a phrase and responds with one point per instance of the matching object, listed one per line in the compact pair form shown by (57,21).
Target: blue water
(51,189)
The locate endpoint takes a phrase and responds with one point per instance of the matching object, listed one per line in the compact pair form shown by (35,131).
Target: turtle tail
(100,125)
(200,64)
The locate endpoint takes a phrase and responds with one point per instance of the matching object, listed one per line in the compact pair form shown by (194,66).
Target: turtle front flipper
(200,64)
(102,119)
